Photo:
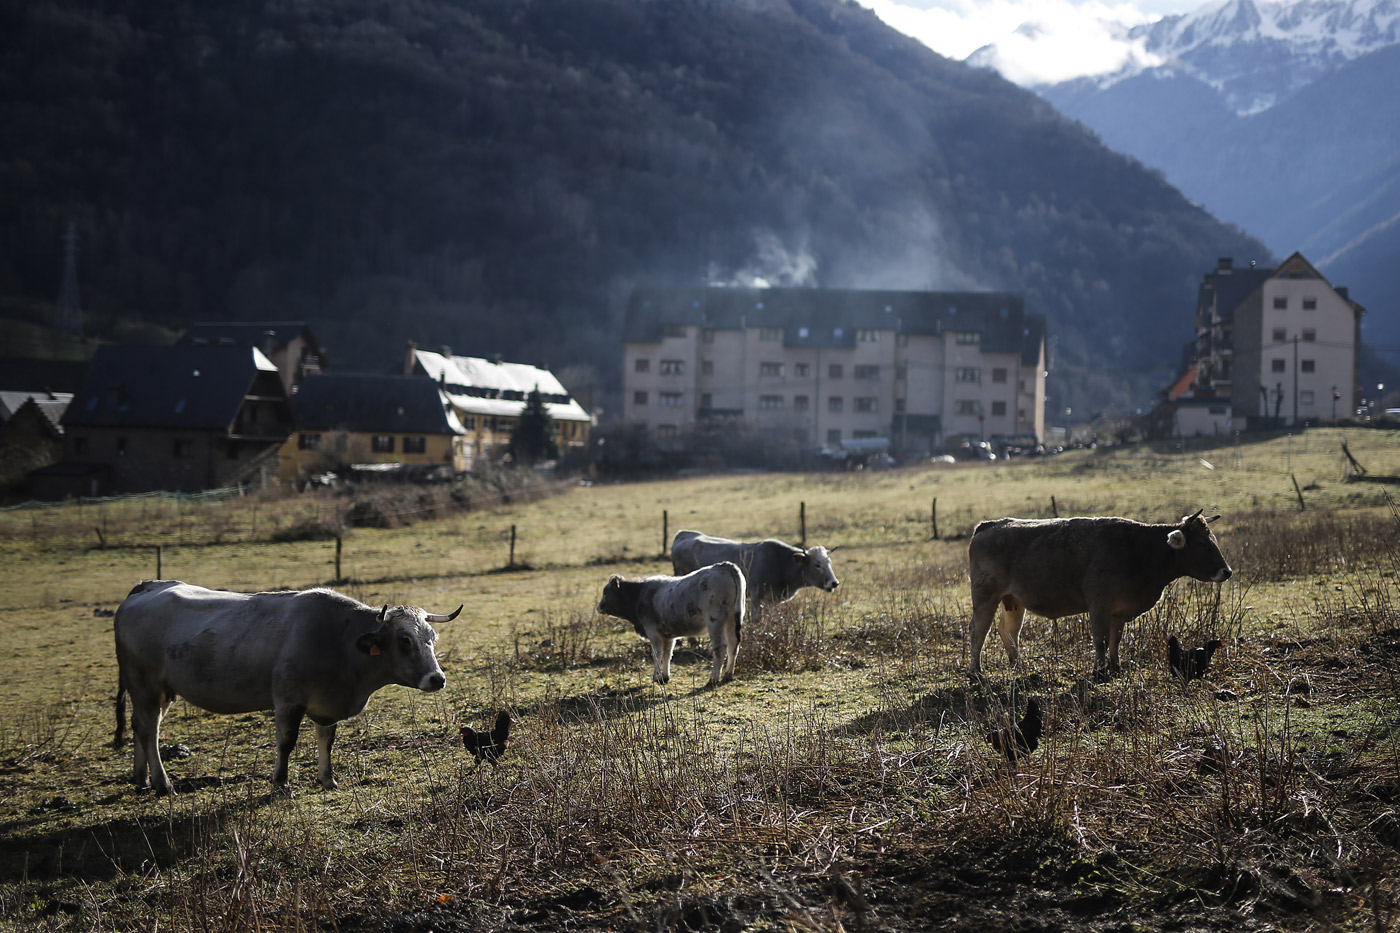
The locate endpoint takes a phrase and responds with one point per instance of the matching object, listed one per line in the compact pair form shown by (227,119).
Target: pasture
(842,781)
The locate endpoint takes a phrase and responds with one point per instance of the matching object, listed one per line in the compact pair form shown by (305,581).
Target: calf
(1115,569)
(773,570)
(663,609)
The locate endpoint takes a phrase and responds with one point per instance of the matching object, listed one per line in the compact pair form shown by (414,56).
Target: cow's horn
(1197,515)
(438,617)
(383,613)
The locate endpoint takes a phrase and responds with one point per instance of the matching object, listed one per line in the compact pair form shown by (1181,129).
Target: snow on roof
(485,387)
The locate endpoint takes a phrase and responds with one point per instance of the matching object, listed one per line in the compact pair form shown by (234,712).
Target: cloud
(773,265)
(1031,41)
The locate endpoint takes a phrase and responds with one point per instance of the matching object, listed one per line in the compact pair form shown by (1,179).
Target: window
(1309,335)
(708,335)
(803,333)
(799,403)
(707,400)
(1280,334)
(834,371)
(1309,366)
(308,442)
(998,408)
(833,437)
(837,333)
(672,367)
(801,370)
(1224,410)
(1309,304)
(121,447)
(770,402)
(1280,303)
(79,445)
(671,399)
(1276,366)
(673,330)
(707,367)
(639,398)
(867,372)
(967,337)
(999,374)
(968,374)
(382,444)
(867,404)
(770,333)
(868,336)
(1305,397)
(899,404)
(901,371)
(902,340)
(183,449)
(771,370)
(835,403)
(641,365)
(968,407)
(415,445)
(667,430)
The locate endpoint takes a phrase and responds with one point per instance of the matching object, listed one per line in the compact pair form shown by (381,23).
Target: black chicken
(1023,737)
(489,746)
(1190,665)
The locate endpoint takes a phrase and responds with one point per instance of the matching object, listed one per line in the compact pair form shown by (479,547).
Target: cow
(663,609)
(313,653)
(1115,569)
(773,570)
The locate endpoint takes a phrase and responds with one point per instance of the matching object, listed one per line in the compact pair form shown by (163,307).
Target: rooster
(488,746)
(1190,665)
(1023,737)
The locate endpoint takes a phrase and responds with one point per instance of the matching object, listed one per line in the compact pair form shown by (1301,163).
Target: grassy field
(841,781)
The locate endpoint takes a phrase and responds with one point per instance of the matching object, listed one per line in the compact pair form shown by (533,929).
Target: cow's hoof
(283,791)
(332,784)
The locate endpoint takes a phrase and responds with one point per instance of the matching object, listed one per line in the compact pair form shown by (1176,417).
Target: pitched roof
(828,317)
(169,387)
(373,403)
(10,402)
(487,387)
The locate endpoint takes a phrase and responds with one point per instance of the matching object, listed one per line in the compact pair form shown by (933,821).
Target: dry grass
(842,781)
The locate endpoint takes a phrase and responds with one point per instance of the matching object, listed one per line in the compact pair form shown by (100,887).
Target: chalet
(489,396)
(182,418)
(289,344)
(359,421)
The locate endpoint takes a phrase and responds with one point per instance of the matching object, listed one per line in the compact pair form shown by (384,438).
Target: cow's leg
(1115,635)
(732,637)
(288,726)
(1100,624)
(661,648)
(145,731)
(984,610)
(719,644)
(325,738)
(1013,614)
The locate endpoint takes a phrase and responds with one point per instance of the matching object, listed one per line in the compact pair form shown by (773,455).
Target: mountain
(495,175)
(1279,118)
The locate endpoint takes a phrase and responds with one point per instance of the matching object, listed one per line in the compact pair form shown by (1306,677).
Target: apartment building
(1279,346)
(820,367)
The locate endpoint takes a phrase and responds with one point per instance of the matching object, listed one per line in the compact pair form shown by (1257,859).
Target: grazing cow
(1115,569)
(311,653)
(774,571)
(663,609)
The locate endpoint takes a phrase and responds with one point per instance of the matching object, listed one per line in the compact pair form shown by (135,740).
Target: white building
(819,367)
(1282,346)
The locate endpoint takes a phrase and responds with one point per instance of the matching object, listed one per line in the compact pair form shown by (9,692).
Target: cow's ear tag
(373,649)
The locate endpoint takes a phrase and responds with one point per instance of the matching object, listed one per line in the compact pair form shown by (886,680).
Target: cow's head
(403,639)
(815,566)
(615,601)
(1197,550)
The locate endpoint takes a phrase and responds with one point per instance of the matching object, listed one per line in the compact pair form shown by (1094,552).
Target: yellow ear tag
(373,649)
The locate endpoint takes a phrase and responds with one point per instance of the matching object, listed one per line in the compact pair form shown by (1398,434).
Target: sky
(1069,39)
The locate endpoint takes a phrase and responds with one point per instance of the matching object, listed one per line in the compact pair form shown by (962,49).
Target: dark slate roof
(182,387)
(1232,287)
(246,334)
(828,317)
(1033,334)
(374,403)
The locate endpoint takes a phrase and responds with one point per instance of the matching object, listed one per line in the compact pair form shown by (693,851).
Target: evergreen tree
(533,438)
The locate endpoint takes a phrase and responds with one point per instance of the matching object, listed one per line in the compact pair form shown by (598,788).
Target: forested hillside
(495,174)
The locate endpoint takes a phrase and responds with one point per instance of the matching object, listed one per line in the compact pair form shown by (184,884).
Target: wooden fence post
(512,547)
(1302,507)
(934,517)
(339,542)
(665,530)
(802,521)
(160,560)
(1054,508)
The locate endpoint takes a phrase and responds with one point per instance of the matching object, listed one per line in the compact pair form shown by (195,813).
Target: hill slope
(496,175)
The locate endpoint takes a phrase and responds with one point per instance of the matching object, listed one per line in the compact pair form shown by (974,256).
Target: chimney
(497,358)
(446,351)
(410,357)
(269,342)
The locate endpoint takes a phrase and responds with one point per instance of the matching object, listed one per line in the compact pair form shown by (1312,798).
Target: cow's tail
(120,736)
(740,605)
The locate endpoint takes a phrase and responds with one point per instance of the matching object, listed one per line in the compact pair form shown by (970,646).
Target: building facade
(488,397)
(1281,345)
(819,368)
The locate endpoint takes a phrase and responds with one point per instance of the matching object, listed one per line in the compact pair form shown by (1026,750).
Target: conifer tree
(533,438)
